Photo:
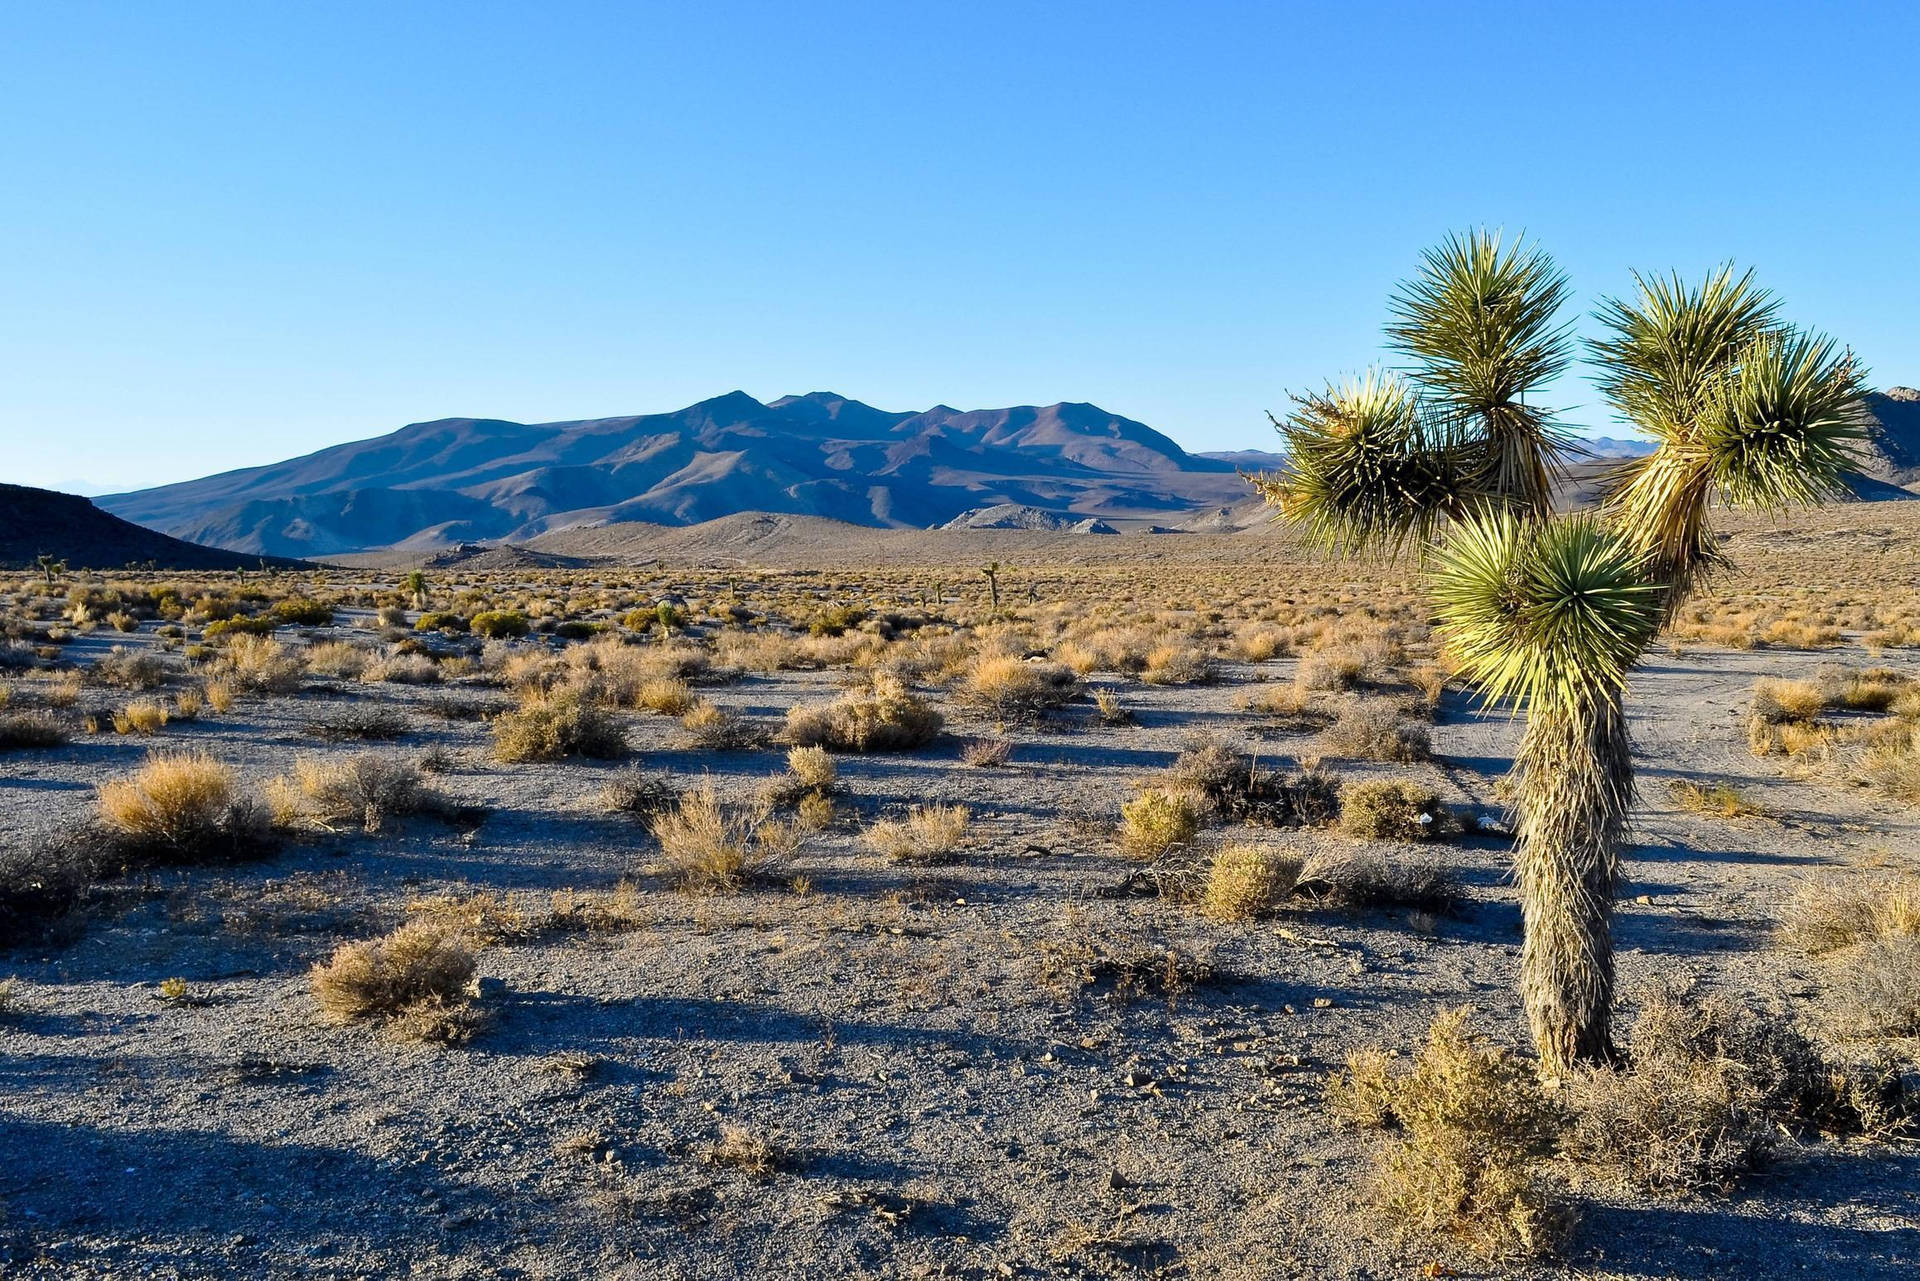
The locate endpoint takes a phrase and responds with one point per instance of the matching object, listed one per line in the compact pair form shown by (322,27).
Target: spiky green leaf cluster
(1746,410)
(1549,615)
(1364,469)
(1480,323)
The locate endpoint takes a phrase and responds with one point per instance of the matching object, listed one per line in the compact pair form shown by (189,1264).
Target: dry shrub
(404,669)
(1707,1087)
(1292,705)
(219,695)
(1779,702)
(1245,881)
(260,665)
(127,668)
(1474,1132)
(362,722)
(632,792)
(1788,738)
(1178,664)
(342,659)
(1120,968)
(1335,667)
(1374,730)
(1877,689)
(738,1148)
(1006,687)
(666,695)
(708,847)
(1110,711)
(813,768)
(1236,788)
(366,787)
(552,727)
(482,918)
(415,982)
(141,716)
(1159,819)
(715,729)
(614,911)
(1715,800)
(180,806)
(1260,642)
(987,753)
(1866,927)
(928,834)
(1361,879)
(1391,810)
(1894,763)
(882,717)
(23,731)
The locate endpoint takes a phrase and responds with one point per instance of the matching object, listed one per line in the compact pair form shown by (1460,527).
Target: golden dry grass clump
(551,727)
(366,787)
(179,806)
(715,729)
(1179,663)
(260,665)
(1007,687)
(414,982)
(1474,1135)
(708,847)
(1865,927)
(1159,819)
(1370,729)
(884,716)
(927,834)
(1246,881)
(1391,810)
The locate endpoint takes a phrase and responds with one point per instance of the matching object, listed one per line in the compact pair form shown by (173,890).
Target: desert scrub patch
(404,669)
(498,624)
(125,668)
(708,847)
(482,918)
(1340,667)
(1238,789)
(1472,1135)
(1179,664)
(1706,1090)
(1713,800)
(634,793)
(363,722)
(619,910)
(716,729)
(925,834)
(31,731)
(1159,819)
(141,716)
(340,659)
(301,611)
(1864,927)
(666,696)
(1006,687)
(1392,810)
(1893,763)
(884,716)
(986,753)
(1246,881)
(553,727)
(366,787)
(260,665)
(1780,702)
(754,1155)
(810,773)
(1091,961)
(1374,730)
(180,807)
(415,983)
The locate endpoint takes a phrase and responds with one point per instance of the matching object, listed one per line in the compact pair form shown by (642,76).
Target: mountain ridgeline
(1068,466)
(476,479)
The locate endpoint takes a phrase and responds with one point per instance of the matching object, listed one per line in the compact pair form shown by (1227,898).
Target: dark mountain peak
(45,522)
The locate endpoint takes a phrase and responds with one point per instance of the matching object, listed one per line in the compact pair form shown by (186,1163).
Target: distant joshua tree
(414,584)
(1551,613)
(992,573)
(51,567)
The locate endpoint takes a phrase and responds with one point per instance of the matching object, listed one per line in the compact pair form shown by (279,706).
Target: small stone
(1322,1002)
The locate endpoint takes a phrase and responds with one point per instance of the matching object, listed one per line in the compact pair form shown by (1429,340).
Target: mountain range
(451,481)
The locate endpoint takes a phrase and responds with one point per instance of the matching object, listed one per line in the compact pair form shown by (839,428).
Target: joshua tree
(51,567)
(992,573)
(414,584)
(1549,613)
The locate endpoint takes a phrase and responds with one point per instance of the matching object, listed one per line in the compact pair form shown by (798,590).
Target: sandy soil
(948,1106)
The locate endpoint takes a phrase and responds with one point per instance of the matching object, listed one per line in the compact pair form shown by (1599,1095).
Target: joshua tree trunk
(1575,778)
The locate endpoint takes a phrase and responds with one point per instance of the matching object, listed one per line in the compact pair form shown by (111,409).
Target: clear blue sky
(234,233)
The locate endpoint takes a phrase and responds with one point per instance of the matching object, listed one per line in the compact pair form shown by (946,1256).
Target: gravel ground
(943,1104)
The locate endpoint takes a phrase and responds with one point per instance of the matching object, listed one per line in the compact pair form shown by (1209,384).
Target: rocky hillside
(37,522)
(438,484)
